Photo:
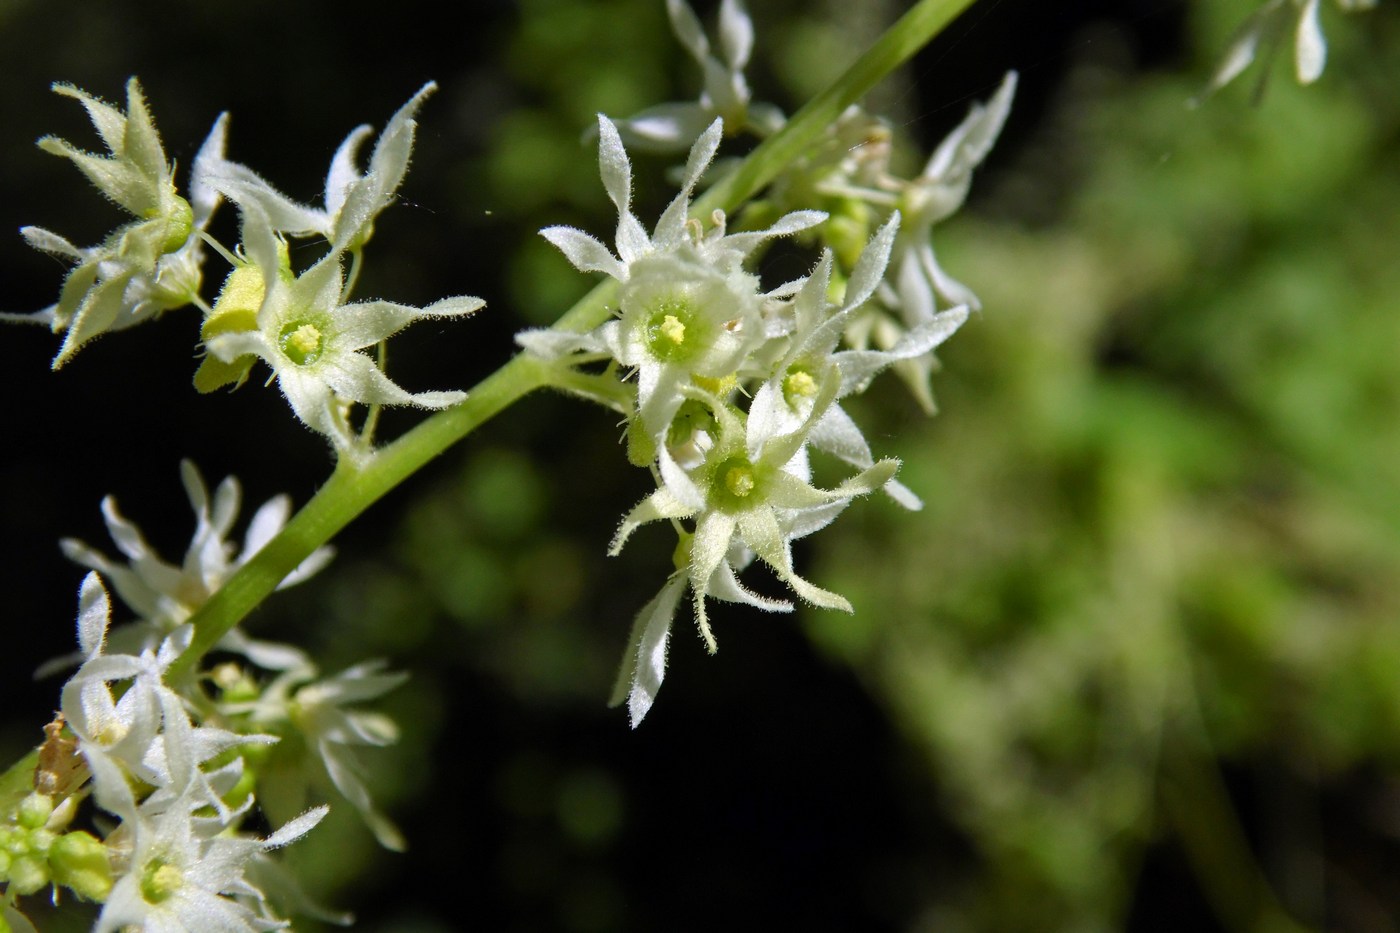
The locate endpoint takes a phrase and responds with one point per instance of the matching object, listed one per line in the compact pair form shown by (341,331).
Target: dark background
(767,788)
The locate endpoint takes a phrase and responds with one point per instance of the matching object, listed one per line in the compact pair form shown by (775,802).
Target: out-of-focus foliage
(1163,528)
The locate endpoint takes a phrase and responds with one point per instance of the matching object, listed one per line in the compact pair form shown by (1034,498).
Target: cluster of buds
(729,385)
(177,758)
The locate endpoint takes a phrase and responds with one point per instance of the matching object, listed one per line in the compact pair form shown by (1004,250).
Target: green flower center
(739,480)
(734,485)
(668,327)
(160,880)
(798,384)
(302,341)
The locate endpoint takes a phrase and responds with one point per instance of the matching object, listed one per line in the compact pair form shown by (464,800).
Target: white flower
(787,397)
(164,595)
(142,731)
(178,880)
(750,496)
(921,285)
(672,127)
(1264,32)
(687,308)
(311,339)
(318,712)
(352,199)
(144,267)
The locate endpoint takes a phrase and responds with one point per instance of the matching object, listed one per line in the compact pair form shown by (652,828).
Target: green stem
(354,487)
(351,489)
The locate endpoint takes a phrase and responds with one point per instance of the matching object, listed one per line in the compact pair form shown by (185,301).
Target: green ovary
(670,331)
(159,881)
(302,341)
(735,484)
(798,384)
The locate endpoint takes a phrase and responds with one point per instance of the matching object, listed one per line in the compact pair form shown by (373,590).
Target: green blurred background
(1135,666)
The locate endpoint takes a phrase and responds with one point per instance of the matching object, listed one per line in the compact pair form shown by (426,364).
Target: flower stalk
(353,487)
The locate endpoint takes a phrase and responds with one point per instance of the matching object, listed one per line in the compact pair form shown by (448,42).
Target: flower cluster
(302,324)
(736,384)
(178,760)
(702,336)
(148,265)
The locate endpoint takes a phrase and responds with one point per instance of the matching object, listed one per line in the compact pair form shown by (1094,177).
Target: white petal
(294,829)
(265,523)
(661,504)
(365,323)
(586,253)
(1311,47)
(355,377)
(94,613)
(687,29)
(246,189)
(615,170)
(870,267)
(724,585)
(644,665)
(787,225)
(664,128)
(457,306)
(343,171)
(204,197)
(50,242)
(966,147)
(671,227)
(735,33)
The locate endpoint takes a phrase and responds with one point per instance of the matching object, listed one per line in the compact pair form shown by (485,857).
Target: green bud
(235,310)
(79,862)
(178,225)
(27,875)
(34,810)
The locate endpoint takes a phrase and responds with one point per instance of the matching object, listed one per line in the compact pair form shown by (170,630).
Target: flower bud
(34,810)
(79,862)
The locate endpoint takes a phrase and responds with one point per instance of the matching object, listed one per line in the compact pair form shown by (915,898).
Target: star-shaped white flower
(176,879)
(787,397)
(319,712)
(687,308)
(312,340)
(164,595)
(752,494)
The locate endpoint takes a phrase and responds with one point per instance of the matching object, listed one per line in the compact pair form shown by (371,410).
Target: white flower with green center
(352,199)
(788,397)
(1264,33)
(141,731)
(175,880)
(687,308)
(144,267)
(671,127)
(312,340)
(754,498)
